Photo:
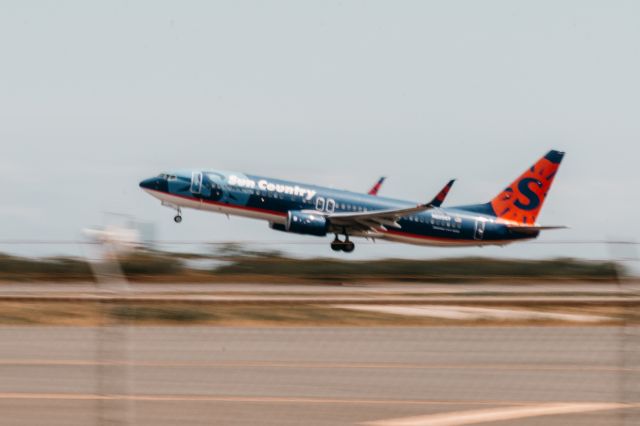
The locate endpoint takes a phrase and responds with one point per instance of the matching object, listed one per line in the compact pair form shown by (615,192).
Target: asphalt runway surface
(319,376)
(382,293)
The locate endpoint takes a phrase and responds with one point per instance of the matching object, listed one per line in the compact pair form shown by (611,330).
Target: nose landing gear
(345,246)
(178,217)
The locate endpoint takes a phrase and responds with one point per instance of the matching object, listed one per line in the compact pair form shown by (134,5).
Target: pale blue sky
(95,96)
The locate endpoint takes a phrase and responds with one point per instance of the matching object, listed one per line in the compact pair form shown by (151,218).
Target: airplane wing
(374,190)
(381,219)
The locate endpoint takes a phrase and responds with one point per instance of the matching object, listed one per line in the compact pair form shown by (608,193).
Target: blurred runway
(316,376)
(335,293)
(387,288)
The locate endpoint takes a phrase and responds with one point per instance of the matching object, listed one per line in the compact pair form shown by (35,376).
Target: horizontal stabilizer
(530,229)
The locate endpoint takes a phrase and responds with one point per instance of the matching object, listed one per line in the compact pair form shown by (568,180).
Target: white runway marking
(461,418)
(473,313)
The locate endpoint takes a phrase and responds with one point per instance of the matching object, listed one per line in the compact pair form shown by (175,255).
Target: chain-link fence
(246,354)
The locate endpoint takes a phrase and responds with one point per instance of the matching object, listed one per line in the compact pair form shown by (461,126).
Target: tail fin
(522,200)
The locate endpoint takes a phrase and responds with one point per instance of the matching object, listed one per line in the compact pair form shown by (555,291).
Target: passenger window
(319,203)
(331,205)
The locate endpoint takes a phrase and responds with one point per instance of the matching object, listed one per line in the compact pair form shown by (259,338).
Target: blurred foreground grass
(153,266)
(252,315)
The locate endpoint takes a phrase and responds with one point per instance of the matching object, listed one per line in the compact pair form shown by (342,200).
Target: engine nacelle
(306,223)
(278,226)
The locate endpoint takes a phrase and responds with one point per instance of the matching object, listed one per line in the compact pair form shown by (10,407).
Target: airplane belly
(438,242)
(175,200)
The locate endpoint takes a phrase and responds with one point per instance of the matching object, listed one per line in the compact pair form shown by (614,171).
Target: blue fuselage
(273,199)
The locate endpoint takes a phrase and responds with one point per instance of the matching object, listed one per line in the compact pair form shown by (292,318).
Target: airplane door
(196,182)
(478,234)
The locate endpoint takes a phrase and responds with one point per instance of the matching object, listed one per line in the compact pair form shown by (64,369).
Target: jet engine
(307,223)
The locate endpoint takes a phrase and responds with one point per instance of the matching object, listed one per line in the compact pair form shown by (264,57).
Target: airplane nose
(158,183)
(151,183)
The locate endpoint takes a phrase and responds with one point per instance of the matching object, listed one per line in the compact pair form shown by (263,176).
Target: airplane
(319,211)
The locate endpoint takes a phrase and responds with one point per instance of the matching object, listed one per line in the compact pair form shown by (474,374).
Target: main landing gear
(346,246)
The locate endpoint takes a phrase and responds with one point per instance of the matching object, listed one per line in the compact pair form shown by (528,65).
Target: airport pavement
(367,293)
(319,376)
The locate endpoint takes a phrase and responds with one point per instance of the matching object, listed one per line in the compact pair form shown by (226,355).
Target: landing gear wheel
(178,217)
(336,244)
(348,246)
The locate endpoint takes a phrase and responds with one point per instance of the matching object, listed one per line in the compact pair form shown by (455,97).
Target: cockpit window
(167,176)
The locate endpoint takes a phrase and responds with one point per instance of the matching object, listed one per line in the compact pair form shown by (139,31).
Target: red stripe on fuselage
(449,240)
(281,214)
(426,237)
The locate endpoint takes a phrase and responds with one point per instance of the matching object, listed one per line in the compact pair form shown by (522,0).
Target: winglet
(439,199)
(374,190)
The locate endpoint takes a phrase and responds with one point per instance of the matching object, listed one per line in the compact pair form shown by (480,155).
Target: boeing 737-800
(314,210)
